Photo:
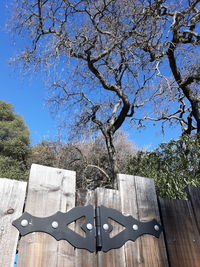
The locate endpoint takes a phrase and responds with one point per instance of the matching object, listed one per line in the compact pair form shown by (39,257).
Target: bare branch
(100,169)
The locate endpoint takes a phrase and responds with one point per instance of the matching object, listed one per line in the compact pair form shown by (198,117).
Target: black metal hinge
(96,227)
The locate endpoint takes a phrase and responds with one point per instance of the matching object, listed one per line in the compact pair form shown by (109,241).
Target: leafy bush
(173,166)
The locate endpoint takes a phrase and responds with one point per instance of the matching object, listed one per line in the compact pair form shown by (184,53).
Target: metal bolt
(135,227)
(156,227)
(89,226)
(105,226)
(24,223)
(54,224)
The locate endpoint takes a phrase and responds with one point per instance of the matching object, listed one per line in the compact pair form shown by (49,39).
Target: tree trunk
(112,159)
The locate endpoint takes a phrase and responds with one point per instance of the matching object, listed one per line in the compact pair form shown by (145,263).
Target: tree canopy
(122,47)
(14,143)
(115,60)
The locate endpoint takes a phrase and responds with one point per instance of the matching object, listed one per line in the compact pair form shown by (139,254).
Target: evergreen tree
(14,143)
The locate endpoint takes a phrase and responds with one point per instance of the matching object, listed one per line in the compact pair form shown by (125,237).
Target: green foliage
(12,168)
(14,143)
(173,166)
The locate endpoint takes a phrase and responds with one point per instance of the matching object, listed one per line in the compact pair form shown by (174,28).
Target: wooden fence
(50,189)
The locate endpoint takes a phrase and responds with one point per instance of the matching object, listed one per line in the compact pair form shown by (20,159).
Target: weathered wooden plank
(153,249)
(181,233)
(126,184)
(139,199)
(194,196)
(49,190)
(12,196)
(83,257)
(115,257)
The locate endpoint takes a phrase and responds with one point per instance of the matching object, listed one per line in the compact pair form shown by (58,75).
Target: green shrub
(172,165)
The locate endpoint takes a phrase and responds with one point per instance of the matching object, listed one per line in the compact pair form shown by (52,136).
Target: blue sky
(27,94)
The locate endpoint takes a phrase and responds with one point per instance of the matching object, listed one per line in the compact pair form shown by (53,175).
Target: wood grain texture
(84,258)
(49,190)
(12,196)
(115,257)
(139,200)
(181,233)
(194,196)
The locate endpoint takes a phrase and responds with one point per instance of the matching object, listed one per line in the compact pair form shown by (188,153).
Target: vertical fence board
(65,251)
(12,196)
(194,196)
(138,199)
(49,190)
(153,249)
(126,185)
(84,258)
(115,257)
(182,236)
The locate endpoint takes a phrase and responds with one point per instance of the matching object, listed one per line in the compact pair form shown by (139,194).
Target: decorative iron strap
(96,227)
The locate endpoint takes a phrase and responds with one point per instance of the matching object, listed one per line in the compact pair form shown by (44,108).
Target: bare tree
(115,59)
(88,158)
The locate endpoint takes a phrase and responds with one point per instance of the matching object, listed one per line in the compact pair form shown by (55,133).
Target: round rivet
(24,223)
(156,227)
(135,227)
(105,226)
(54,224)
(89,226)
(2,228)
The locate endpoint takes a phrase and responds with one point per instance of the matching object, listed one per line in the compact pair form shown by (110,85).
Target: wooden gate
(50,189)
